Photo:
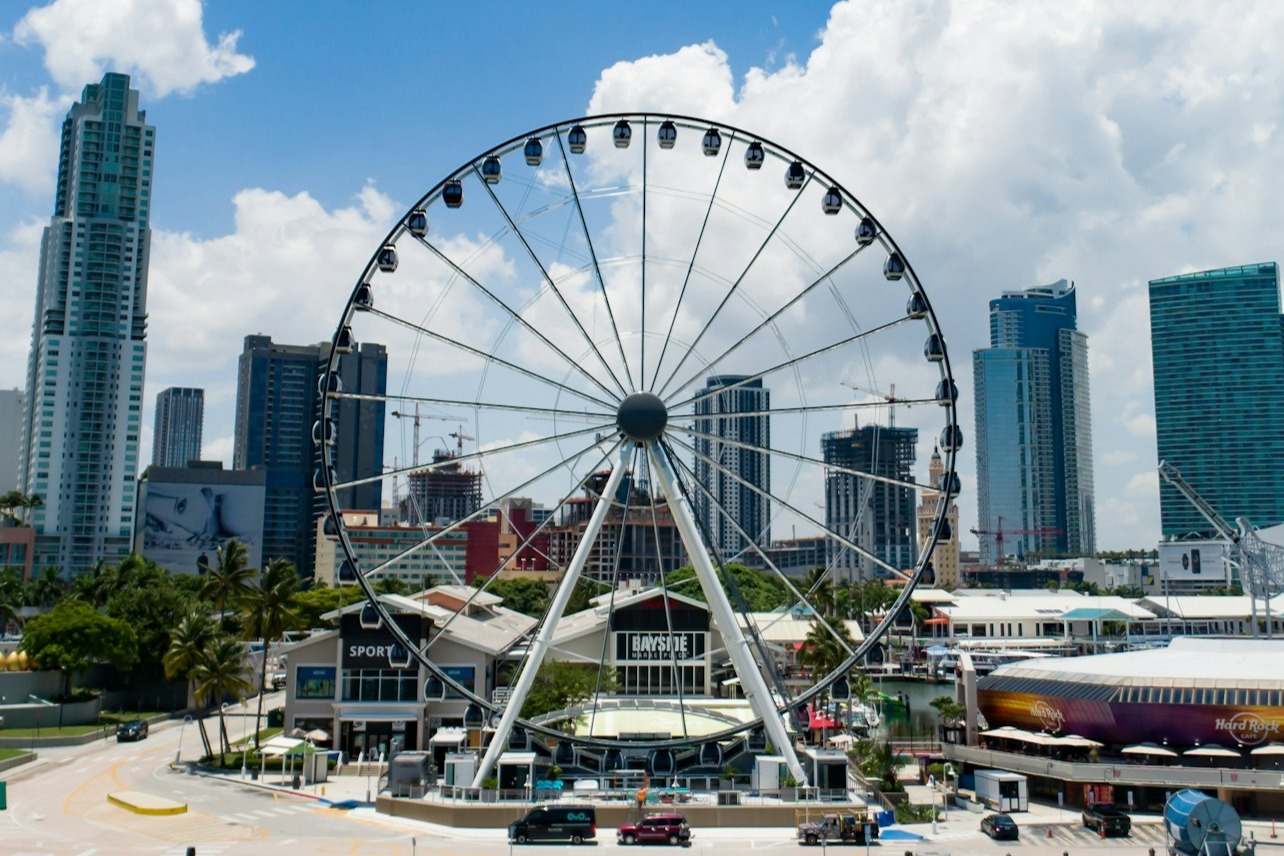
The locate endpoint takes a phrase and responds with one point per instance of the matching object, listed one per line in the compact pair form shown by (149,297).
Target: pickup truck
(1107,819)
(837,828)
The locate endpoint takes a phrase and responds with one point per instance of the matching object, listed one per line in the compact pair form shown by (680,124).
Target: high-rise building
(176,432)
(12,404)
(277,402)
(1217,345)
(876,515)
(945,556)
(730,465)
(88,345)
(1034,427)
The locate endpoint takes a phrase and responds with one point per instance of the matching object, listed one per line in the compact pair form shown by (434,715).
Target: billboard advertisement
(1184,716)
(184,524)
(1194,562)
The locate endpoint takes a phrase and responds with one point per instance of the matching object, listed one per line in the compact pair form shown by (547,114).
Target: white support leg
(540,645)
(747,669)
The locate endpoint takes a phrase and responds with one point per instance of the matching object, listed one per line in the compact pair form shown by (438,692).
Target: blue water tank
(1198,823)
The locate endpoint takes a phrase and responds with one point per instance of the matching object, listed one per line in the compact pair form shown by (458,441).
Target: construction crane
(889,397)
(1260,563)
(998,532)
(397,414)
(460,437)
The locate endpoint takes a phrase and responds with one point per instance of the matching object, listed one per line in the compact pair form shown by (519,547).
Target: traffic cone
(1049,831)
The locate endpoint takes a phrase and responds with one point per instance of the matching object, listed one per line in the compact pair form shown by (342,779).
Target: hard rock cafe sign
(1049,717)
(1248,729)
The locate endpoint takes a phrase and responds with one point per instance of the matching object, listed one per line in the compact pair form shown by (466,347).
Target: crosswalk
(259,815)
(1077,835)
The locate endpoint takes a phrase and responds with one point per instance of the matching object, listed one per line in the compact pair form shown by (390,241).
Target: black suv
(999,827)
(134,729)
(1107,819)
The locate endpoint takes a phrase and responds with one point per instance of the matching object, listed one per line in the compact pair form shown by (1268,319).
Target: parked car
(1000,827)
(134,729)
(278,680)
(668,828)
(573,823)
(1107,819)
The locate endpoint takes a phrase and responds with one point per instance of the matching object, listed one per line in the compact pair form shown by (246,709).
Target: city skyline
(1106,177)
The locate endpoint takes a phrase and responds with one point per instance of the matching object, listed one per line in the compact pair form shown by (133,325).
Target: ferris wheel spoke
(551,412)
(695,252)
(735,285)
(484,509)
(783,503)
(787,364)
(708,367)
(804,459)
(527,541)
(491,358)
(480,455)
(642,324)
(515,316)
(753,545)
(811,408)
(543,272)
(597,268)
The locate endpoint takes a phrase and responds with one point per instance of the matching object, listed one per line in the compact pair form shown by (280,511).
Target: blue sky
(1004,146)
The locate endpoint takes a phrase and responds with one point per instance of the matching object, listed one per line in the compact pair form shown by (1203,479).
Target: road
(60,807)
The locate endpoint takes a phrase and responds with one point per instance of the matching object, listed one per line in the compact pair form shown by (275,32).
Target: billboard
(1194,562)
(184,523)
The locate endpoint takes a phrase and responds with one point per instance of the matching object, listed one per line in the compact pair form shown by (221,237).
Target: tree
(74,635)
(762,591)
(823,652)
(559,685)
(10,595)
(45,588)
(583,593)
(267,615)
(948,709)
(391,585)
(525,595)
(193,635)
(219,675)
(154,611)
(14,506)
(310,604)
(227,585)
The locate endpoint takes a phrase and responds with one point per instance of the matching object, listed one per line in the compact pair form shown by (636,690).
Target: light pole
(931,783)
(181,730)
(945,800)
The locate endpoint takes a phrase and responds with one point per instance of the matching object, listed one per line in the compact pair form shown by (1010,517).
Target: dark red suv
(669,828)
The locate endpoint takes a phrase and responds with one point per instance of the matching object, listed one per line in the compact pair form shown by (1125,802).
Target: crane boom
(1173,476)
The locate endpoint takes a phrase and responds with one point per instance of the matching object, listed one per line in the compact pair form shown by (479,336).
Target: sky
(1004,145)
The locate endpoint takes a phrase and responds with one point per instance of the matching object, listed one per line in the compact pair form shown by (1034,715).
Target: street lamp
(931,783)
(947,772)
(181,729)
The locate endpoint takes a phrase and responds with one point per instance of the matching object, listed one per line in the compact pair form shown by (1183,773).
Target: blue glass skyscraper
(1217,344)
(1034,427)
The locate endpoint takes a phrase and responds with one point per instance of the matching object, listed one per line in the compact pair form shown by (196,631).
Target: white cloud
(1006,146)
(29,142)
(160,43)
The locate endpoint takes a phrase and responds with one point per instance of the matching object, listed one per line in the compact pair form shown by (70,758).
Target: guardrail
(1121,774)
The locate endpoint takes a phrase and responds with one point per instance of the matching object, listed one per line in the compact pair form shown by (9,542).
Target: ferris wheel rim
(556,130)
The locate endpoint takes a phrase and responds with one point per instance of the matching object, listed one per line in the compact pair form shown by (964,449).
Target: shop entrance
(377,738)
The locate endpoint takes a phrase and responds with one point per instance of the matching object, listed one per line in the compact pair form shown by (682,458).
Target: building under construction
(444,494)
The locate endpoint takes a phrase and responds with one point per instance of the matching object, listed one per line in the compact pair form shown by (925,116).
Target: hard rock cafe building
(1131,727)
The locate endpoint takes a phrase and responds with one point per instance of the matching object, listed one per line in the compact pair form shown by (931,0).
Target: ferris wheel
(649,328)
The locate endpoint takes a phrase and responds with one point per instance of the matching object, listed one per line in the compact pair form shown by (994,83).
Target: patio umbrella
(318,735)
(1148,749)
(1212,750)
(1269,749)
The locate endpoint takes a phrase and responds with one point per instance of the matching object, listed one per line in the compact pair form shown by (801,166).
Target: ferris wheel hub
(642,416)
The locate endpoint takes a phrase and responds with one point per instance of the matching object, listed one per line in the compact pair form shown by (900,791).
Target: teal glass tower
(1217,344)
(1034,428)
(88,339)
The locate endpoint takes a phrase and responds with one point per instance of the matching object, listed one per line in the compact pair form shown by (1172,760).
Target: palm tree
(193,636)
(15,504)
(227,585)
(45,588)
(220,673)
(267,615)
(10,596)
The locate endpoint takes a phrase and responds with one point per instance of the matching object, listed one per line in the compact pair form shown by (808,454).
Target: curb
(18,761)
(146,803)
(207,773)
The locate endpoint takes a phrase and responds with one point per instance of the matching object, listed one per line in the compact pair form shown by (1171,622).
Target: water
(917,720)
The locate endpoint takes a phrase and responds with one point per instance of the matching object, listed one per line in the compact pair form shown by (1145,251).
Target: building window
(380,685)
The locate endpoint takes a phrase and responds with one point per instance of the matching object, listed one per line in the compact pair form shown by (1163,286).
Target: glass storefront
(380,685)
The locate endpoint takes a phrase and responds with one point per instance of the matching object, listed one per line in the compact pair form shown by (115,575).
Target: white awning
(448,737)
(278,746)
(517,759)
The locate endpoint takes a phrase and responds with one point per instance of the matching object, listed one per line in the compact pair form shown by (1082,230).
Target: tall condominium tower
(88,343)
(1218,352)
(727,461)
(277,402)
(876,516)
(176,432)
(1034,427)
